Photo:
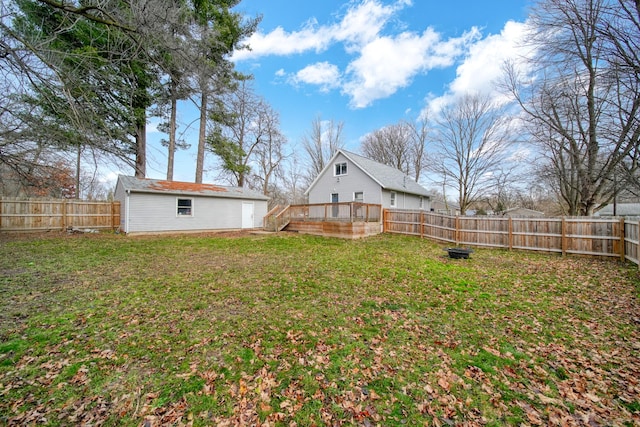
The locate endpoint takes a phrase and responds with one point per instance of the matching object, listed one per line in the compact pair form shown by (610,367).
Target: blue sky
(367,63)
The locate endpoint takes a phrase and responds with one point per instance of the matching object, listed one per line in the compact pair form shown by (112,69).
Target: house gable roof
(387,177)
(146,185)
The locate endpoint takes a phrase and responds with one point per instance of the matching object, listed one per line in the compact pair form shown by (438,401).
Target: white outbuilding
(156,206)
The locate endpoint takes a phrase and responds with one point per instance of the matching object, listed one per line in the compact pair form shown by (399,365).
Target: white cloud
(281,72)
(361,23)
(323,74)
(152,125)
(482,66)
(381,64)
(281,43)
(387,64)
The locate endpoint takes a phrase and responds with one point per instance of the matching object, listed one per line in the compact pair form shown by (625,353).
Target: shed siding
(355,180)
(151,212)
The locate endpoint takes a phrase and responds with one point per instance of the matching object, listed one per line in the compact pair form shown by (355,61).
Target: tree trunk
(202,135)
(78,162)
(141,149)
(172,134)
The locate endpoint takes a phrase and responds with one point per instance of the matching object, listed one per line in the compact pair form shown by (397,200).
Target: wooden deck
(345,220)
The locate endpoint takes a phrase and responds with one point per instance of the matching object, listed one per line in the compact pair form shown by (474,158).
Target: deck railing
(278,217)
(346,212)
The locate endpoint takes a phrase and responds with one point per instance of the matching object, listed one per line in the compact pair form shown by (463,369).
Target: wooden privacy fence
(60,214)
(608,237)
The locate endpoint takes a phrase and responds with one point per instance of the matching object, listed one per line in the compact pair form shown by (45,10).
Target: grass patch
(300,329)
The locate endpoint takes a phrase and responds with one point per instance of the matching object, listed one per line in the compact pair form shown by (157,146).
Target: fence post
(421,224)
(510,233)
(384,221)
(64,214)
(113,216)
(622,239)
(457,230)
(563,238)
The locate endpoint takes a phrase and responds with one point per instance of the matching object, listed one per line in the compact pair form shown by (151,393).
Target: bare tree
(269,155)
(470,143)
(320,144)
(246,133)
(390,145)
(293,180)
(401,146)
(583,105)
(420,134)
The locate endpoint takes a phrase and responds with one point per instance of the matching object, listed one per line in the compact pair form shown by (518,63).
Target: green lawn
(300,330)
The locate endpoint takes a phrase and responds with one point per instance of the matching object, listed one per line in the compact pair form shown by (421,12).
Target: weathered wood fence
(59,214)
(607,237)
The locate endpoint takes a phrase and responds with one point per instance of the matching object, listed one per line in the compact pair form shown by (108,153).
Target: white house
(152,206)
(348,177)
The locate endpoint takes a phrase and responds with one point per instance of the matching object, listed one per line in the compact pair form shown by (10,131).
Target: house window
(358,196)
(393,199)
(341,169)
(185,207)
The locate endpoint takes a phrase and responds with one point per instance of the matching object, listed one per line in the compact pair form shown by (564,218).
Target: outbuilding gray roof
(389,178)
(146,185)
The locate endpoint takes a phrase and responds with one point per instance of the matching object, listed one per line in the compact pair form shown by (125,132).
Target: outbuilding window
(393,199)
(341,168)
(358,197)
(185,207)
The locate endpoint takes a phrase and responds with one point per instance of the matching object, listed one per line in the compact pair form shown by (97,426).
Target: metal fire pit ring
(459,253)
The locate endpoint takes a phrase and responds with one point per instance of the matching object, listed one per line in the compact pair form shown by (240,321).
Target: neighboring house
(622,209)
(523,213)
(444,207)
(152,206)
(348,177)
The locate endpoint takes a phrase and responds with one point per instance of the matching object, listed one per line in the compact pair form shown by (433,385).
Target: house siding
(355,180)
(404,201)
